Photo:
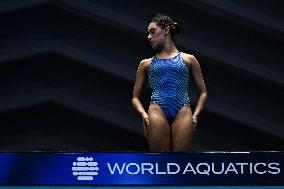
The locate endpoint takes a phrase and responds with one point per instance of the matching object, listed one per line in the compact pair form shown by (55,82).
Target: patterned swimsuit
(169,79)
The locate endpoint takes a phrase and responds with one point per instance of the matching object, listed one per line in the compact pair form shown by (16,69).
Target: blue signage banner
(193,169)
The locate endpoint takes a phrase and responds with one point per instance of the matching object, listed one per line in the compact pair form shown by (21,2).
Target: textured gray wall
(67,70)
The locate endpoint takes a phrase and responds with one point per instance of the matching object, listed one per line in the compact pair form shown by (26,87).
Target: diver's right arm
(140,77)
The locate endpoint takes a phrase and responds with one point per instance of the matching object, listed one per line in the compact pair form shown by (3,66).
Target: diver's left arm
(197,75)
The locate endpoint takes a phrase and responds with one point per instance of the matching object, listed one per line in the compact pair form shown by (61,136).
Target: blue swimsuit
(168,79)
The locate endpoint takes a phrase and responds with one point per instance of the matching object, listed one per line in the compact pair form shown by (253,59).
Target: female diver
(169,124)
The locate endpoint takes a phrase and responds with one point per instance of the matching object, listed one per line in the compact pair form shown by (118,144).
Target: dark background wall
(67,70)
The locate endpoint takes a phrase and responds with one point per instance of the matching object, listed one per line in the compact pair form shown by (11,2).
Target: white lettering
(215,172)
(116,166)
(231,169)
(135,165)
(189,170)
(242,166)
(144,168)
(250,168)
(205,171)
(172,172)
(157,170)
(258,172)
(274,168)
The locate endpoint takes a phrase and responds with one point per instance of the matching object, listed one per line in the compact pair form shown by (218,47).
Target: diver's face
(156,36)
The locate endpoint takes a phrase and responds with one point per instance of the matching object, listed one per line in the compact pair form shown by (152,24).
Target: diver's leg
(182,130)
(159,129)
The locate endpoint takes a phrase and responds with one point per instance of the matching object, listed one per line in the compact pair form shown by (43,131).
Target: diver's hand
(194,120)
(146,123)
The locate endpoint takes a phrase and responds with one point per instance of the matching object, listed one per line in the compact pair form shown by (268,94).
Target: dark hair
(164,21)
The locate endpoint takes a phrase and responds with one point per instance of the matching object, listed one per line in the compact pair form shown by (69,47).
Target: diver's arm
(140,76)
(197,75)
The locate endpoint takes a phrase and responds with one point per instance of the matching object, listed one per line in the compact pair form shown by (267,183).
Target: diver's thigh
(182,130)
(159,129)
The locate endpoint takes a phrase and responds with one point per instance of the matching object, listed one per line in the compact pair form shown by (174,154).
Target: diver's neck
(169,48)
